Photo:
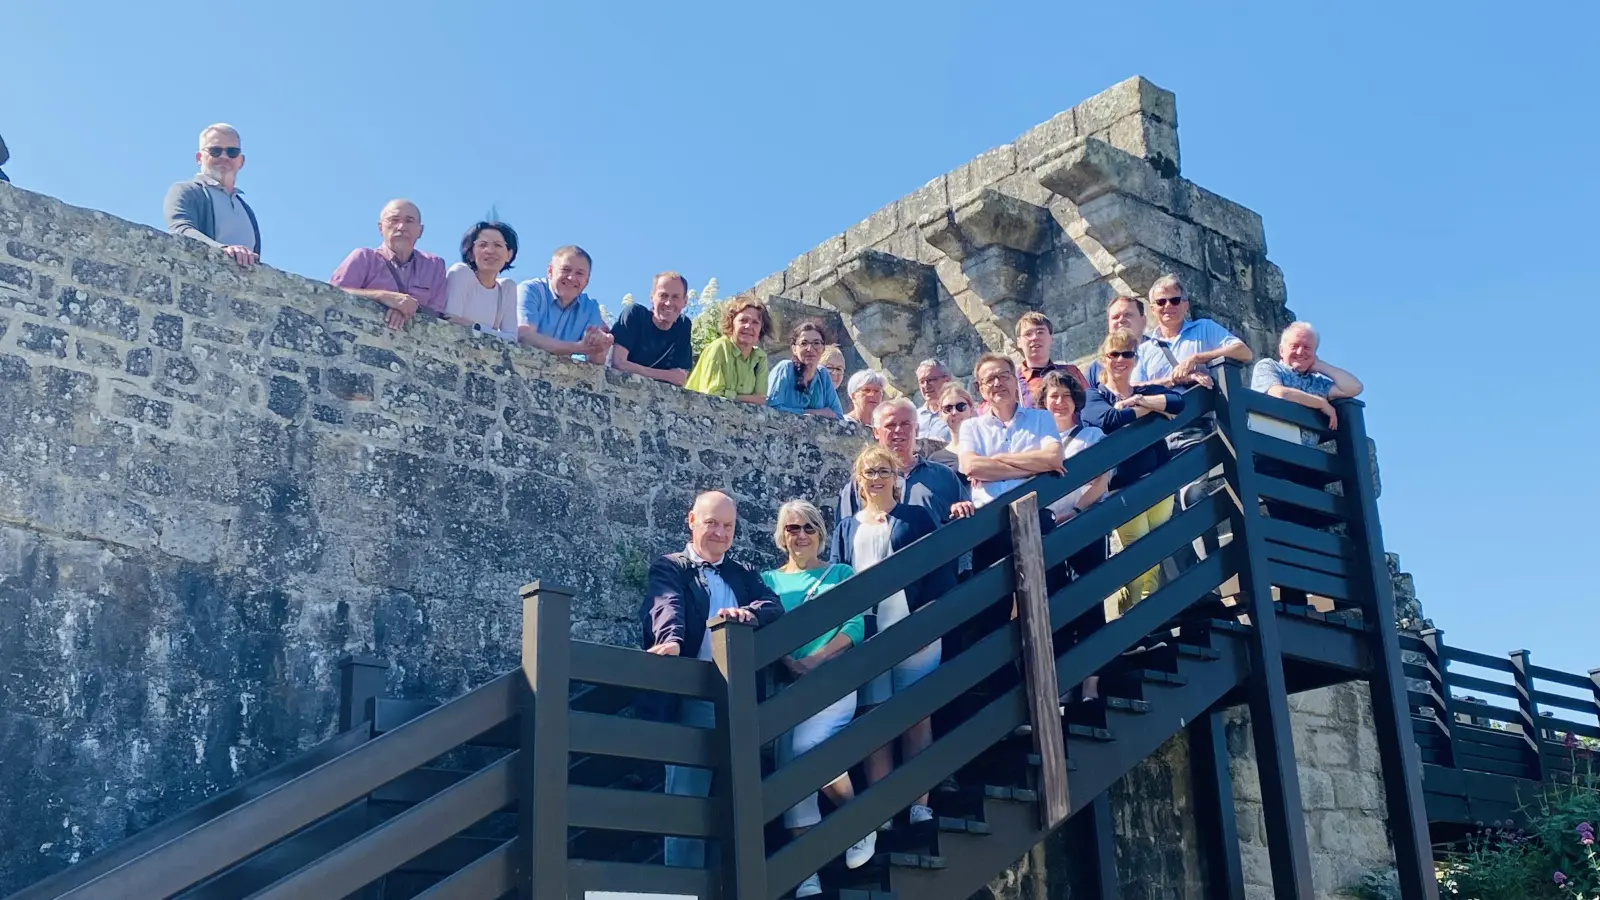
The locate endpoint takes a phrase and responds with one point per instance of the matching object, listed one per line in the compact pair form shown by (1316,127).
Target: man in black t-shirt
(653,340)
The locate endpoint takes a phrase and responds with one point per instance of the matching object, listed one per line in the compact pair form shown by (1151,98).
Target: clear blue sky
(1427,173)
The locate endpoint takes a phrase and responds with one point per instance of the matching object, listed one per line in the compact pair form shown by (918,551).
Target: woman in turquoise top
(801,534)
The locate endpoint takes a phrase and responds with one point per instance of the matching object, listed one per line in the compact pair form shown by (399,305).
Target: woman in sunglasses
(954,405)
(885,525)
(1116,403)
(801,534)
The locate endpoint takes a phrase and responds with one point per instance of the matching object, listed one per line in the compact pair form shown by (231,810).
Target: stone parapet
(216,482)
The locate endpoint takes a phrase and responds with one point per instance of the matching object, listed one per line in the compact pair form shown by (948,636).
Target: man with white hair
(928,484)
(1300,376)
(395,274)
(208,207)
(932,376)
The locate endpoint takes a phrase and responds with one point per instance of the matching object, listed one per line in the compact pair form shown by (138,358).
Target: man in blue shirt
(1300,376)
(555,314)
(1180,348)
(927,484)
(932,376)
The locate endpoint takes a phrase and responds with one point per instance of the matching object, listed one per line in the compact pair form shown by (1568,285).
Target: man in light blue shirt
(932,376)
(1300,376)
(1009,443)
(1179,348)
(555,315)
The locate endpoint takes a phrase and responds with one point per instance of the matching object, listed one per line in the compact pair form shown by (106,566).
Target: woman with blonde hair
(734,366)
(832,362)
(882,526)
(1116,403)
(801,534)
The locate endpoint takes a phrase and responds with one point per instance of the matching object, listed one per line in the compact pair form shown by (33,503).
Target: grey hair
(221,128)
(930,363)
(862,379)
(900,403)
(1307,327)
(807,513)
(1170,280)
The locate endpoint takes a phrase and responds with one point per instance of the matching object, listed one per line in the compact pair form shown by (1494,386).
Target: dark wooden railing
(545,745)
(1489,742)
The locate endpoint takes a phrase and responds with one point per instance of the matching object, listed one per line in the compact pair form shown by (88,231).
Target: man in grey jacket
(208,207)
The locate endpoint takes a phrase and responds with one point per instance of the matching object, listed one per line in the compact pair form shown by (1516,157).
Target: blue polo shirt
(1196,336)
(1269,372)
(537,307)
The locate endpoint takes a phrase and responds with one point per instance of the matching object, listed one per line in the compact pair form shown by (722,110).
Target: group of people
(1027,419)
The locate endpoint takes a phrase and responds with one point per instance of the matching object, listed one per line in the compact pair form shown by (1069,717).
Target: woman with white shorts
(800,533)
(883,526)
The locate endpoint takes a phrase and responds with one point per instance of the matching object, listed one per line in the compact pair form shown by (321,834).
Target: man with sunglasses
(208,207)
(1180,348)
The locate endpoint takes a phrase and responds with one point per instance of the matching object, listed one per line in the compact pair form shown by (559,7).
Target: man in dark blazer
(685,590)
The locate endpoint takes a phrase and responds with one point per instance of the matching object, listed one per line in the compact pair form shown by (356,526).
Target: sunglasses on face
(1122,354)
(797,527)
(233,152)
(958,406)
(1163,301)
(878,473)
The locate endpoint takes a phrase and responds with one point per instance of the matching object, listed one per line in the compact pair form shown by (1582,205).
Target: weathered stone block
(101,275)
(1148,138)
(1059,131)
(43,339)
(987,169)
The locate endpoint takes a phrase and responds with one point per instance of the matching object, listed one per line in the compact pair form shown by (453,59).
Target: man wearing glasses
(208,207)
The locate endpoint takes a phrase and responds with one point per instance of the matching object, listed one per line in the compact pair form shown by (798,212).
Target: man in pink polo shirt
(395,274)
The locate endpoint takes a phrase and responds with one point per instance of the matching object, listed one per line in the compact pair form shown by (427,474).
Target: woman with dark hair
(734,366)
(794,385)
(475,294)
(885,524)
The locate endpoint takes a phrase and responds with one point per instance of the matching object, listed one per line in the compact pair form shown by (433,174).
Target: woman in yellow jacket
(734,366)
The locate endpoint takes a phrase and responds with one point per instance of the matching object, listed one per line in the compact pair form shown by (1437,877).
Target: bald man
(685,590)
(395,274)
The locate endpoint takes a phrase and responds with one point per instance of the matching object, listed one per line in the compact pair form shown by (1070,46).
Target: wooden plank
(1482,660)
(1032,605)
(626,667)
(1289,534)
(1303,497)
(642,879)
(1289,852)
(1213,800)
(743,828)
(1583,705)
(1307,559)
(1298,455)
(546,740)
(1482,686)
(1330,586)
(1565,679)
(665,742)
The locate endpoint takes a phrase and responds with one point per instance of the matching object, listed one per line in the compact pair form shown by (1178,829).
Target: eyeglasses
(1122,354)
(233,152)
(797,527)
(878,473)
(958,406)
(1163,301)
(810,345)
(1001,378)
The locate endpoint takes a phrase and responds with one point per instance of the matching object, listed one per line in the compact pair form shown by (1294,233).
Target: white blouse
(493,309)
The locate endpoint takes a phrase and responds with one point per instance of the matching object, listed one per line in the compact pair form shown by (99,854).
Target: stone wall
(1157,846)
(214,483)
(1079,209)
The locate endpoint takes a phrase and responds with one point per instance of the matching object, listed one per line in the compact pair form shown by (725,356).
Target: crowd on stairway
(933,463)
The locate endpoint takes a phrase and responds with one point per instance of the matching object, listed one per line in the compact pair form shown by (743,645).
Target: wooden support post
(1213,802)
(1532,727)
(1039,661)
(362,679)
(1268,694)
(543,757)
(744,839)
(1391,709)
(1434,638)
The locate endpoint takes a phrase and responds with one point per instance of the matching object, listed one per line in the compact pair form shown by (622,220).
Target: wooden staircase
(542,784)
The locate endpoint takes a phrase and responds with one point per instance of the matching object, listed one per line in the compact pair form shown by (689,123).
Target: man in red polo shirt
(1034,334)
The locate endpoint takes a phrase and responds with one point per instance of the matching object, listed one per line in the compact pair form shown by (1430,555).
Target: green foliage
(1378,884)
(1553,859)
(633,567)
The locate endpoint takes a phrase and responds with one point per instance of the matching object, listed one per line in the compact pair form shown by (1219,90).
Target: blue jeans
(689,781)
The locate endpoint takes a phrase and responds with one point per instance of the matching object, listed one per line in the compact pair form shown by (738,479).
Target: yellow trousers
(1134,529)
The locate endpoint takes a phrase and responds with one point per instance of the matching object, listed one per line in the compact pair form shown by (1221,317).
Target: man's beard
(211,172)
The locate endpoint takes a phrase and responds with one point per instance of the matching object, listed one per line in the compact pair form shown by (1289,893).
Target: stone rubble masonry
(1080,209)
(215,483)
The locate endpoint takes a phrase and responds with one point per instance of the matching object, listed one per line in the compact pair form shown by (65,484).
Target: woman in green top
(801,534)
(734,366)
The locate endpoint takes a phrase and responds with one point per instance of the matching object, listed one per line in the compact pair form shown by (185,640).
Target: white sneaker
(861,851)
(811,887)
(920,813)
